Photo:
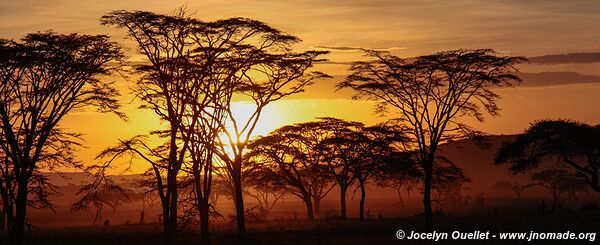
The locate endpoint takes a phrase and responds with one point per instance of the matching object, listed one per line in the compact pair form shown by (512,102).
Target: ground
(330,231)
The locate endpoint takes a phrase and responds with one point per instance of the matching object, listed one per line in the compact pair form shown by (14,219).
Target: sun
(271,117)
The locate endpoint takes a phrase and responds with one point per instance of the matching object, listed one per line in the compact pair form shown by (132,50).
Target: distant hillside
(79,178)
(478,163)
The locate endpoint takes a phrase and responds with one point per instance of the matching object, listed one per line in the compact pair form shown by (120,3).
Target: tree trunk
(309,208)
(204,221)
(363,195)
(16,230)
(401,200)
(173,212)
(166,222)
(142,217)
(170,199)
(343,202)
(239,199)
(169,205)
(2,220)
(427,197)
(316,203)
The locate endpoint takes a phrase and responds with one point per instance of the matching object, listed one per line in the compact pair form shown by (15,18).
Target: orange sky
(407,28)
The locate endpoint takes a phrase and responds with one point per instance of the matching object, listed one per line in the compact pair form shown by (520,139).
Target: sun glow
(271,118)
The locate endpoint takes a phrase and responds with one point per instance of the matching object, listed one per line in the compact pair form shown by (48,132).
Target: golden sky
(558,89)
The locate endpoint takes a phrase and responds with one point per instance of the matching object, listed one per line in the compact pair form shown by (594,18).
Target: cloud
(593,57)
(326,88)
(354,49)
(543,79)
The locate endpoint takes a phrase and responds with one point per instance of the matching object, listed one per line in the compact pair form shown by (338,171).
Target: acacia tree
(110,194)
(557,181)
(398,172)
(447,184)
(290,155)
(431,94)
(201,159)
(376,154)
(266,189)
(44,77)
(517,188)
(575,144)
(274,72)
(339,154)
(165,77)
(193,70)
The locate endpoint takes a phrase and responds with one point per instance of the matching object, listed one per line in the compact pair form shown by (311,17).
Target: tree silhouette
(339,155)
(376,152)
(111,195)
(193,70)
(305,157)
(447,184)
(272,72)
(165,41)
(290,155)
(266,189)
(44,77)
(557,181)
(398,172)
(575,144)
(517,188)
(431,94)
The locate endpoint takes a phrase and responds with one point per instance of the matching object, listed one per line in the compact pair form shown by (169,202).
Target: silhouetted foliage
(44,77)
(558,181)
(110,194)
(431,94)
(517,188)
(573,143)
(266,189)
(306,157)
(192,71)
(276,73)
(339,156)
(399,176)
(166,76)
(447,184)
(291,156)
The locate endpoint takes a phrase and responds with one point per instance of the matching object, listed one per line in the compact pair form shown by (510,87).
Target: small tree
(557,181)
(290,155)
(517,188)
(575,144)
(399,173)
(166,76)
(43,78)
(110,194)
(447,184)
(339,154)
(374,151)
(266,189)
(277,72)
(431,94)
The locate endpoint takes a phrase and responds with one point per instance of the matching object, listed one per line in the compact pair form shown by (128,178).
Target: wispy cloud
(571,58)
(355,49)
(543,79)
